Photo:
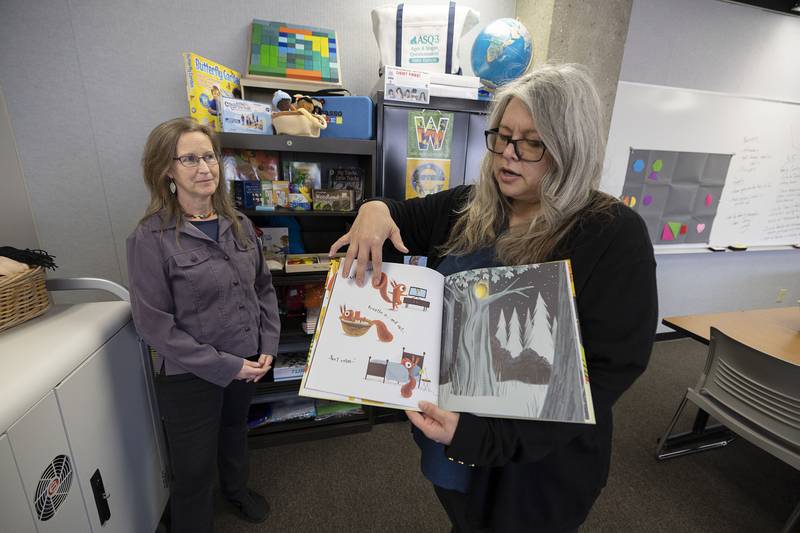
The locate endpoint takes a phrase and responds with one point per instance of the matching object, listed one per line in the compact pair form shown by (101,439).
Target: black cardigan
(545,476)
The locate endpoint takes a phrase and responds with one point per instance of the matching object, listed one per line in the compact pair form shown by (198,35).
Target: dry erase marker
(717,248)
(737,247)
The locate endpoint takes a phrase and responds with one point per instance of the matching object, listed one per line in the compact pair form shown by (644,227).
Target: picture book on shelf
(245,116)
(274,241)
(351,178)
(206,83)
(501,342)
(289,367)
(248,165)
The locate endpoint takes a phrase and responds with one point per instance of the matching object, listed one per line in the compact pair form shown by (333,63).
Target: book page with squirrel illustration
(378,344)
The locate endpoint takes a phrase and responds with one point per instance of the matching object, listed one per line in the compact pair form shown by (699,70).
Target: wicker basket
(22,297)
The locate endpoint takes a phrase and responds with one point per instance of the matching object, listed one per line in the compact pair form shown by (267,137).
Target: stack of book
(289,366)
(310,323)
(454,86)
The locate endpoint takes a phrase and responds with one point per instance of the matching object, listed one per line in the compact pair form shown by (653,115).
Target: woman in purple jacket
(203,299)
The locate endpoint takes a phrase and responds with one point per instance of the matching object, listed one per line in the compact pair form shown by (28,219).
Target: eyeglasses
(191,160)
(526,149)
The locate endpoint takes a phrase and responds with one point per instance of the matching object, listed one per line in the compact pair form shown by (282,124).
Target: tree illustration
(514,335)
(527,330)
(542,338)
(564,396)
(470,360)
(502,334)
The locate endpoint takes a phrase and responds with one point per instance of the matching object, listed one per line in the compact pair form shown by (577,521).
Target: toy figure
(301,118)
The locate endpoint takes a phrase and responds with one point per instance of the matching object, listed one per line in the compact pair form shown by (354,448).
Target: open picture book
(500,342)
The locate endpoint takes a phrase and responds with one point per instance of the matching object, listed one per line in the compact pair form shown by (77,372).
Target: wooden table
(772,331)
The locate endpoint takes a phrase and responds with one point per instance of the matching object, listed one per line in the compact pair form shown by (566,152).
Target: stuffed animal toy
(300,118)
(282,101)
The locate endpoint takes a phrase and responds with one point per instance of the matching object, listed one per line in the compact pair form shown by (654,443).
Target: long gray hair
(566,108)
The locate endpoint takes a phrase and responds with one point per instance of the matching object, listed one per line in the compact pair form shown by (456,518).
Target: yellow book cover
(206,82)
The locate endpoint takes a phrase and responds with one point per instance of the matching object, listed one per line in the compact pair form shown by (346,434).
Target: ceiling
(782,6)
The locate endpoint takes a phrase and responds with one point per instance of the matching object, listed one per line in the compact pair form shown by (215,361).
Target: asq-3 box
(350,117)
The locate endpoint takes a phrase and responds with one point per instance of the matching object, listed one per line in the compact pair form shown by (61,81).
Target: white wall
(731,48)
(85,81)
(17,228)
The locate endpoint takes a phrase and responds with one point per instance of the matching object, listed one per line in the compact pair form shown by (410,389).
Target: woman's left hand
(437,424)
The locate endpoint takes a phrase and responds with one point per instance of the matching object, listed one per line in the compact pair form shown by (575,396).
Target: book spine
(187,68)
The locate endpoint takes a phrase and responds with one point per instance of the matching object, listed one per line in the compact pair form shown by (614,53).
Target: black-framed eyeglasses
(526,149)
(191,160)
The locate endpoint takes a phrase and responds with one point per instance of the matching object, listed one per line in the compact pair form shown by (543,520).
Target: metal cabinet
(81,448)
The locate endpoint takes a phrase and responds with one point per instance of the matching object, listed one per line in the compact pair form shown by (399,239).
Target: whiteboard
(760,200)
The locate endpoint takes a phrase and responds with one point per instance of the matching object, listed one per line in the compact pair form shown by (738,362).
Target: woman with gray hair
(537,200)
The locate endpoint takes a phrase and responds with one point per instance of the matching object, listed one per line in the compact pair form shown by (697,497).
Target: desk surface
(772,331)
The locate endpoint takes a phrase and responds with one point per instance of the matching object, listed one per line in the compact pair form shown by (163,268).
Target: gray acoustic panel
(45,91)
(86,81)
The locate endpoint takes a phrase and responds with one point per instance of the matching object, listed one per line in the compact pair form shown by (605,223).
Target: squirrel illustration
(353,317)
(398,291)
(410,362)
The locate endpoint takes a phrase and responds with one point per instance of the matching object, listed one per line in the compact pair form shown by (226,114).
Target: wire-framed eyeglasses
(191,160)
(528,150)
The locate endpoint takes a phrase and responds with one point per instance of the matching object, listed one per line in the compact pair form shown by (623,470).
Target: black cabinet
(467,146)
(319,229)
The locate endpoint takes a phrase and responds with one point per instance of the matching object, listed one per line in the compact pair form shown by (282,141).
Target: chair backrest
(757,387)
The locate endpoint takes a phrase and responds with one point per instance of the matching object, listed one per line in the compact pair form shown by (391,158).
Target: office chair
(753,394)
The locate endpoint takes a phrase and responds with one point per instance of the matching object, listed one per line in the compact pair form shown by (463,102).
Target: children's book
(350,178)
(206,83)
(501,342)
(274,241)
(303,178)
(289,367)
(248,165)
(245,116)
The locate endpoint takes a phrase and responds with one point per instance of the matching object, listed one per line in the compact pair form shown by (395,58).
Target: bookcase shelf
(297,430)
(281,278)
(319,230)
(253,213)
(293,143)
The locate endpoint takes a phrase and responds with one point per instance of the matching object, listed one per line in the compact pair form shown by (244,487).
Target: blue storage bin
(350,117)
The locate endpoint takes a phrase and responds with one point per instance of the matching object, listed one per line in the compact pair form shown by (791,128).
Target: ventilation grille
(53,487)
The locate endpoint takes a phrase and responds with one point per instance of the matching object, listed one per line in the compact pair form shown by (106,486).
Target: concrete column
(591,32)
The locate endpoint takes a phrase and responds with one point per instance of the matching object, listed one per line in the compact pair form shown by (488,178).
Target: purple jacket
(202,305)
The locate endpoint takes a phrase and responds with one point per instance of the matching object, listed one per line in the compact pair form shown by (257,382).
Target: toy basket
(23,296)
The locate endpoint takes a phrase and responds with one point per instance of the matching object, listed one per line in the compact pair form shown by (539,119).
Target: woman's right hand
(252,371)
(369,231)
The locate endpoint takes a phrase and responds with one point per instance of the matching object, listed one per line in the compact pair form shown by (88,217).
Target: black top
(540,474)
(209,227)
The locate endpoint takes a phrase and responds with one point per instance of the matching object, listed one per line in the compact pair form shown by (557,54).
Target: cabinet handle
(289,142)
(100,497)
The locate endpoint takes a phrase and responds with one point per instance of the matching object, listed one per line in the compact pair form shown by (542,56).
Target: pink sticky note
(709,200)
(701,228)
(666,234)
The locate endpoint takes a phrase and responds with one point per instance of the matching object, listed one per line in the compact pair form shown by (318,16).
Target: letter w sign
(430,134)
